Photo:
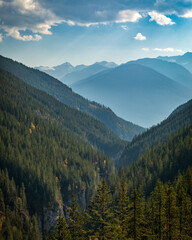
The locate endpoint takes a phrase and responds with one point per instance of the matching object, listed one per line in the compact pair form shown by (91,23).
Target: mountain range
(95,68)
(171,70)
(185,60)
(137,92)
(69,74)
(97,83)
(53,155)
(124,129)
(157,135)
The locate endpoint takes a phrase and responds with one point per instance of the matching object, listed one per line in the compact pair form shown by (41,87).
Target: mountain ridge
(124,129)
(135,91)
(179,118)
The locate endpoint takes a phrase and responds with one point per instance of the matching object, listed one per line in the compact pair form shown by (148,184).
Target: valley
(63,156)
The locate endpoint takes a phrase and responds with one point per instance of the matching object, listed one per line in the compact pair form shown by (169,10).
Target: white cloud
(13,32)
(28,15)
(145,49)
(121,17)
(1,37)
(187,14)
(124,27)
(168,50)
(140,37)
(160,18)
(128,16)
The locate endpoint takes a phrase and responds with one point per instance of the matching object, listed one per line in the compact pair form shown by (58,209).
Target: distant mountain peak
(107,64)
(188,54)
(65,64)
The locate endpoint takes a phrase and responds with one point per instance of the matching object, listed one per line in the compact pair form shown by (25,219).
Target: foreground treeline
(165,214)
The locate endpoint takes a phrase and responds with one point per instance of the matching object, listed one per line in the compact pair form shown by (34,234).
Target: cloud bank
(29,20)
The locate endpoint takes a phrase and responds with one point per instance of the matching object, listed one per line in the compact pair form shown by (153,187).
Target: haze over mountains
(122,88)
(50,151)
(184,60)
(169,69)
(95,68)
(179,118)
(69,74)
(135,92)
(124,129)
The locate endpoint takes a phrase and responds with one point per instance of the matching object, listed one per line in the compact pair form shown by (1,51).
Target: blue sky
(48,33)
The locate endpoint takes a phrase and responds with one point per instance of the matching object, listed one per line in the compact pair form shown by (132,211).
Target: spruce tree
(122,208)
(171,211)
(62,231)
(76,223)
(184,210)
(135,217)
(100,216)
(158,211)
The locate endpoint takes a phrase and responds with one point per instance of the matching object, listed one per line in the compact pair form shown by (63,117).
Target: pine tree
(121,209)
(184,210)
(62,231)
(35,234)
(171,211)
(158,211)
(135,217)
(100,213)
(76,223)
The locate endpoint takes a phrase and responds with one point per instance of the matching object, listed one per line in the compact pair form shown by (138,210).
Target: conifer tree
(100,213)
(76,223)
(171,211)
(122,207)
(135,217)
(62,231)
(184,210)
(158,211)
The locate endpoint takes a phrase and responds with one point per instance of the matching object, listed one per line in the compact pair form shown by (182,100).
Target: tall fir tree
(100,214)
(61,231)
(76,221)
(158,211)
(121,209)
(184,210)
(171,212)
(135,218)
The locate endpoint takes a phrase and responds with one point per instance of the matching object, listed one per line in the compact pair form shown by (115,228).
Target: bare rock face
(50,216)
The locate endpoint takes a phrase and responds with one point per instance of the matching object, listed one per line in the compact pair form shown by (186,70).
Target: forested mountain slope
(44,145)
(180,118)
(72,120)
(15,220)
(163,162)
(124,129)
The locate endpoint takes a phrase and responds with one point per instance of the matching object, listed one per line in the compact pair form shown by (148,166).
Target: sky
(49,33)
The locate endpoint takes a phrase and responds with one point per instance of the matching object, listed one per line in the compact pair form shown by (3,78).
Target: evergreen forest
(66,175)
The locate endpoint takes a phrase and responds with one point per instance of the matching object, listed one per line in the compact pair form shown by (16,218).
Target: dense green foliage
(125,130)
(47,107)
(38,150)
(164,162)
(15,221)
(46,157)
(181,117)
(165,215)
